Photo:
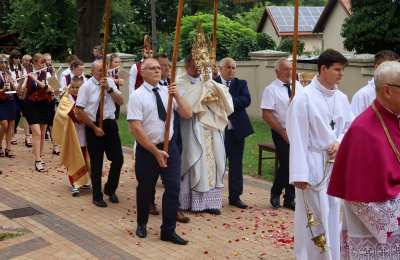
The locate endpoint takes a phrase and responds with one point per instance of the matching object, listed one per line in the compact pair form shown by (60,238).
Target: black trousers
(234,151)
(282,174)
(110,144)
(147,171)
(178,140)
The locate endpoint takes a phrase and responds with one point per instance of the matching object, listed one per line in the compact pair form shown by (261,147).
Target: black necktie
(160,106)
(289,90)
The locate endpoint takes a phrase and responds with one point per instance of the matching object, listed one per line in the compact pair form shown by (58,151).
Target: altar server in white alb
(316,121)
(364,97)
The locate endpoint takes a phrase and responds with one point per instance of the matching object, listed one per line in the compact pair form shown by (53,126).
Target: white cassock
(309,122)
(363,98)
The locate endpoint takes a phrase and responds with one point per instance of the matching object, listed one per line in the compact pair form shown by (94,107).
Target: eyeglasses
(3,62)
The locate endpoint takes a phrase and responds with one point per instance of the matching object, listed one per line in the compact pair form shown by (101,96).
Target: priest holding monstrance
(203,152)
(366,174)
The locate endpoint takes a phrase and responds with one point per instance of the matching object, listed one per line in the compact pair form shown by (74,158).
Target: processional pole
(214,40)
(106,31)
(295,46)
(173,73)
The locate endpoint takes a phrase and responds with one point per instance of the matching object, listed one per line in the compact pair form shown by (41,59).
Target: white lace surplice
(371,230)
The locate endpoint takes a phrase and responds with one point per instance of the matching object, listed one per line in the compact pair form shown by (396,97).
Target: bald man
(101,140)
(146,117)
(239,127)
(274,105)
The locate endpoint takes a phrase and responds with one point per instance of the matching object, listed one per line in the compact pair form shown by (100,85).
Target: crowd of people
(334,156)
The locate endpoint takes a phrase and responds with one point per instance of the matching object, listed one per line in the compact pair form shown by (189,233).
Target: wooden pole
(106,31)
(173,72)
(153,27)
(214,38)
(294,44)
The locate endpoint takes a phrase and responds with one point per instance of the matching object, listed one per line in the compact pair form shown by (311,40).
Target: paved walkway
(47,223)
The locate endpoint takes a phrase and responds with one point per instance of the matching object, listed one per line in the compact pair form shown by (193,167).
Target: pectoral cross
(332,124)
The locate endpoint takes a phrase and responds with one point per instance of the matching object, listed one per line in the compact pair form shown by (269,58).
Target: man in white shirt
(100,141)
(364,97)
(274,105)
(316,121)
(146,116)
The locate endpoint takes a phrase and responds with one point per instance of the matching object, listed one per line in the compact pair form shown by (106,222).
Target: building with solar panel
(277,21)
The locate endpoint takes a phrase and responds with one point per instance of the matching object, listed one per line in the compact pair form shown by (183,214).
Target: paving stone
(75,225)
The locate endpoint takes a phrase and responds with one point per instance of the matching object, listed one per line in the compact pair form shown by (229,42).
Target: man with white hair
(101,140)
(239,127)
(364,97)
(366,174)
(274,105)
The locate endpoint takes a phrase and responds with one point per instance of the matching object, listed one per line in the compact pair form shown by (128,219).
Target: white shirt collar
(150,87)
(325,91)
(371,83)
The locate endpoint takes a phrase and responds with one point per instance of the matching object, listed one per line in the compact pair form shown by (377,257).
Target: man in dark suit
(239,127)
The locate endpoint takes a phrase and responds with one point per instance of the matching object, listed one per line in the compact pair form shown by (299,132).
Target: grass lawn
(250,161)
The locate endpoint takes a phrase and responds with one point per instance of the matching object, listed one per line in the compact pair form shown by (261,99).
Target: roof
(282,19)
(329,7)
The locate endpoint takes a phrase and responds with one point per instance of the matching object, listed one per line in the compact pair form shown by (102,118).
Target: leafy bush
(233,38)
(286,45)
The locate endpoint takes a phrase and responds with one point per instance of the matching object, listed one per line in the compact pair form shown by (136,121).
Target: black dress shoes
(289,204)
(173,238)
(114,198)
(213,211)
(275,201)
(238,203)
(100,203)
(141,231)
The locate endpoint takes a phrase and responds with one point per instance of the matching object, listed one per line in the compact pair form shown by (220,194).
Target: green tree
(4,10)
(286,45)
(232,37)
(252,17)
(264,42)
(126,34)
(373,26)
(43,26)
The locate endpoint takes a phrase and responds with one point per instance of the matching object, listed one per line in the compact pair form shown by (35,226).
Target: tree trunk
(89,19)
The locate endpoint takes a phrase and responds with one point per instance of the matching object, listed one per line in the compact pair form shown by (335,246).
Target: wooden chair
(268,148)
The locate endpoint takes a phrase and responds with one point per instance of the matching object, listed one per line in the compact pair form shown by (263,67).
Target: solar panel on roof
(283,17)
